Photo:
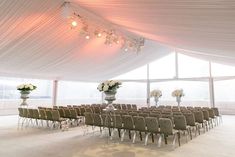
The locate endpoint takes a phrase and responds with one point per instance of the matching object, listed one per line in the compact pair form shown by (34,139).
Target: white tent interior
(36,40)
(146,44)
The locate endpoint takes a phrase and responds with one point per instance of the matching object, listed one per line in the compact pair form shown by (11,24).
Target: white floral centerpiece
(109,87)
(178,93)
(156,93)
(26,87)
(25,90)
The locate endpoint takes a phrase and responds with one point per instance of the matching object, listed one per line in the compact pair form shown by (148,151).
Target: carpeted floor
(42,142)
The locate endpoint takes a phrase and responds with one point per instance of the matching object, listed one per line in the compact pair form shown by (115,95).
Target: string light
(87,36)
(111,37)
(74,23)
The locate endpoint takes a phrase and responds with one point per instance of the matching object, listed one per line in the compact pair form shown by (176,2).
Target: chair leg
(146,139)
(129,134)
(112,132)
(165,138)
(178,138)
(119,133)
(190,133)
(134,137)
(160,140)
(174,138)
(140,136)
(123,134)
(152,135)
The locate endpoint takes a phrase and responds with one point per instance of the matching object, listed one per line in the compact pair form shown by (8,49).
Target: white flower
(100,87)
(105,88)
(112,83)
(156,93)
(26,87)
(178,93)
(109,85)
(31,87)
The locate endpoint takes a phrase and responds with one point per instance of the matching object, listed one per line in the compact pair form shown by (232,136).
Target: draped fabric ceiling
(37,42)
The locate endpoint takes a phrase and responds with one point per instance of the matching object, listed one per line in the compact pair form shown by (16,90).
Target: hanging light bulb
(74,23)
(126,49)
(87,36)
(98,33)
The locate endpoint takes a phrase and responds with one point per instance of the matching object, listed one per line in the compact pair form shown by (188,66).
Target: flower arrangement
(109,85)
(178,93)
(156,93)
(26,87)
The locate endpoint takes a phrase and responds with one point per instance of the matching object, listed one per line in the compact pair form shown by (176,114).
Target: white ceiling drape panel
(204,27)
(36,41)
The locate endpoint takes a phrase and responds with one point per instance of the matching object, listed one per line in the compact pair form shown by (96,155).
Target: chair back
(166,126)
(55,115)
(144,114)
(67,113)
(49,115)
(82,111)
(124,107)
(216,111)
(88,109)
(89,119)
(36,114)
(21,114)
(139,123)
(180,122)
(133,114)
(152,124)
(134,106)
(205,115)
(61,111)
(190,119)
(128,122)
(73,114)
(128,106)
(78,111)
(211,113)
(106,119)
(30,113)
(117,121)
(97,119)
(42,113)
(198,116)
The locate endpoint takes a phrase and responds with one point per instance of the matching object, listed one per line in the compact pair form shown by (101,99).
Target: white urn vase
(110,97)
(24,96)
(156,99)
(178,100)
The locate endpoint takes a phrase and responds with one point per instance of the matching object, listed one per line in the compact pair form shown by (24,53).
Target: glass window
(139,73)
(77,93)
(192,67)
(196,92)
(225,96)
(10,96)
(222,70)
(163,67)
(132,92)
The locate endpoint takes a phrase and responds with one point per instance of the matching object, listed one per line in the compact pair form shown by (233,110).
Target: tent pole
(54,94)
(148,87)
(211,87)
